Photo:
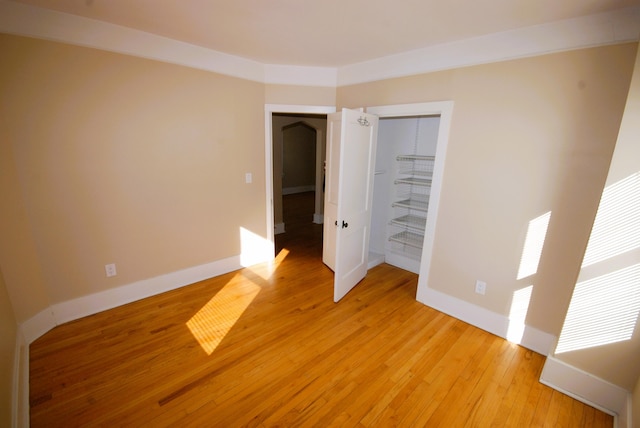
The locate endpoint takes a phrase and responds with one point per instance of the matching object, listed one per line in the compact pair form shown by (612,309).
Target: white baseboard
(402,262)
(98,302)
(278,228)
(588,389)
(38,325)
(374,260)
(532,338)
(298,189)
(15,381)
(318,218)
(20,384)
(70,310)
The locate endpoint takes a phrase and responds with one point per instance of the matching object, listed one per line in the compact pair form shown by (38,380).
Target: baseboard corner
(587,388)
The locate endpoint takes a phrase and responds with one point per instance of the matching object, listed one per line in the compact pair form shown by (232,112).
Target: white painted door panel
(351,146)
(332,170)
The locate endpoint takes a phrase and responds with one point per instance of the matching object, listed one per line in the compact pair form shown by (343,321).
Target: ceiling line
(601,29)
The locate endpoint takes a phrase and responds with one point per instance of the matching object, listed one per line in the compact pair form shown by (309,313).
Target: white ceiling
(326,33)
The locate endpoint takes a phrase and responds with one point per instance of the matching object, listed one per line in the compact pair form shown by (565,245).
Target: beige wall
(106,158)
(8,333)
(300,95)
(123,160)
(18,253)
(618,363)
(527,137)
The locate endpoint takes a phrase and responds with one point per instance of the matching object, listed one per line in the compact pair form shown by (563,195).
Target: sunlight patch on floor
(267,269)
(212,323)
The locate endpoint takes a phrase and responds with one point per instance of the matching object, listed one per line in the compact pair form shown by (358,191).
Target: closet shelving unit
(413,186)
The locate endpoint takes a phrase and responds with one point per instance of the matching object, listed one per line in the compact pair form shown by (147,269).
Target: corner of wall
(37,325)
(532,338)
(588,389)
(57,314)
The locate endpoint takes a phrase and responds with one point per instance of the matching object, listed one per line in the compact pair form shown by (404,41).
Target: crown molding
(301,75)
(594,30)
(589,31)
(31,21)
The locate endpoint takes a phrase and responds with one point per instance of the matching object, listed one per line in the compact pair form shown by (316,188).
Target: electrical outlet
(110,269)
(481,287)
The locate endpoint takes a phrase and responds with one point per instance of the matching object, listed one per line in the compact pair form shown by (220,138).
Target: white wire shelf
(416,172)
(414,181)
(408,238)
(413,204)
(409,158)
(411,221)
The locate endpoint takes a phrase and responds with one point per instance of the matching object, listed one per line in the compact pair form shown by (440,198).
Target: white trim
(87,305)
(15,379)
(534,339)
(606,28)
(588,389)
(70,310)
(402,261)
(23,403)
(413,109)
(38,325)
(26,20)
(299,75)
(318,218)
(374,260)
(595,30)
(20,383)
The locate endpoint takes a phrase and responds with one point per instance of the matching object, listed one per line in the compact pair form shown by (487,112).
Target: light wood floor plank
(290,357)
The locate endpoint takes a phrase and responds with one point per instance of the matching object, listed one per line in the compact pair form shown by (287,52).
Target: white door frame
(269,109)
(444,109)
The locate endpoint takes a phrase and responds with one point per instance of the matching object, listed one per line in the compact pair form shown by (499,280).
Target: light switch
(248,178)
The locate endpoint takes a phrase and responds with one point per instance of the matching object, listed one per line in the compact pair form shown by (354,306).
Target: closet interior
(405,158)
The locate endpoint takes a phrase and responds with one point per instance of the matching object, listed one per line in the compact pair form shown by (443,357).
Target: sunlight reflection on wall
(604,309)
(529,261)
(518,314)
(536,234)
(617,225)
(254,248)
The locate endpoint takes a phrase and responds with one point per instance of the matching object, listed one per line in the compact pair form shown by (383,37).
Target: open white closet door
(351,148)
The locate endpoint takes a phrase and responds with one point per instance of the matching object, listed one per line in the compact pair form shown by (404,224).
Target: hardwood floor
(266,346)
